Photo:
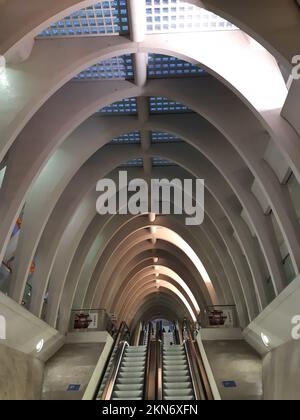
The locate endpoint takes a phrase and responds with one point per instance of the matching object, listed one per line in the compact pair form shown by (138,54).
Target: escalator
(163,369)
(130,380)
(177,382)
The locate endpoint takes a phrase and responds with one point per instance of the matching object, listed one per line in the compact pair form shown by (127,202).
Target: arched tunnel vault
(145,289)
(261,20)
(130,148)
(161,303)
(78,196)
(266,92)
(146,278)
(113,274)
(131,312)
(280,199)
(242,110)
(147,263)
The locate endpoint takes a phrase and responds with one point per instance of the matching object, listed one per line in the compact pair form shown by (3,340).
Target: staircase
(177,384)
(130,381)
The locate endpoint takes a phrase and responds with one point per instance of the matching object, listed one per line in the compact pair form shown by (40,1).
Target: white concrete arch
(268,84)
(145,262)
(274,25)
(53,244)
(149,284)
(161,303)
(35,220)
(131,311)
(55,248)
(101,247)
(142,278)
(98,297)
(284,219)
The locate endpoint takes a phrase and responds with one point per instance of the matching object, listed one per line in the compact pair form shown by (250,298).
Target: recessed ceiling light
(40,345)
(152,217)
(265,340)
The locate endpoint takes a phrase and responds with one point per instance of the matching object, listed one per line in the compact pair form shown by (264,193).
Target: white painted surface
(208,369)
(98,372)
(24,331)
(87,337)
(213,334)
(276,320)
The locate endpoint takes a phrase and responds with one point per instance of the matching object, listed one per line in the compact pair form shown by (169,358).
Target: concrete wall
(21,375)
(281,373)
(23,331)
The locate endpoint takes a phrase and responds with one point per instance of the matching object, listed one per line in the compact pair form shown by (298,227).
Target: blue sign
(229,384)
(73,388)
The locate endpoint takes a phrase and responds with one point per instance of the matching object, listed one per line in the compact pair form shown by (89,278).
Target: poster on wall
(221,317)
(93,321)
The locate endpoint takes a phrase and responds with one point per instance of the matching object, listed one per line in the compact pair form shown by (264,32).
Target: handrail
(178,333)
(150,369)
(119,337)
(204,388)
(109,387)
(159,370)
(196,389)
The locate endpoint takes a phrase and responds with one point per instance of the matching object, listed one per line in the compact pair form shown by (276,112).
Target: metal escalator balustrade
(122,336)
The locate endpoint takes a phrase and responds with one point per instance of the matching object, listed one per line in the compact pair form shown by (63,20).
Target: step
(127,394)
(177,385)
(129,387)
(130,380)
(178,391)
(131,374)
(179,397)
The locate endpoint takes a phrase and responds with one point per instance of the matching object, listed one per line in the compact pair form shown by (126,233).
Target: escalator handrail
(205,389)
(119,337)
(196,389)
(110,385)
(159,371)
(147,366)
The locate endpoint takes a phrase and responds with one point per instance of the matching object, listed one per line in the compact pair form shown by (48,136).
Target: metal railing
(109,387)
(123,335)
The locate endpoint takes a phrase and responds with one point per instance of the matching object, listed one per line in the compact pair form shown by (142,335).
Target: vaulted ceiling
(163,89)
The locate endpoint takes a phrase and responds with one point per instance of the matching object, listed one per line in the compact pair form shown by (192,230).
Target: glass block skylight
(159,137)
(165,16)
(160,105)
(158,161)
(167,66)
(108,17)
(115,68)
(125,107)
(139,162)
(129,138)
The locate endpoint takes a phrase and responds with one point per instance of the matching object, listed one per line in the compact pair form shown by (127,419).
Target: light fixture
(265,340)
(157,275)
(152,217)
(40,345)
(155,260)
